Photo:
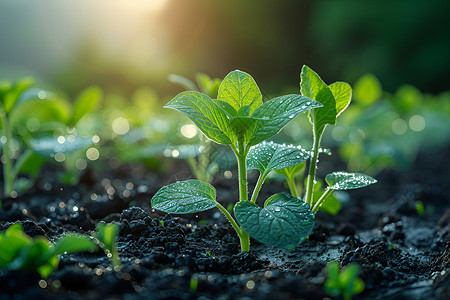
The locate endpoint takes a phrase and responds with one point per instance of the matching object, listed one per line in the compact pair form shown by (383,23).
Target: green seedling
(20,252)
(11,97)
(107,236)
(202,168)
(345,282)
(239,119)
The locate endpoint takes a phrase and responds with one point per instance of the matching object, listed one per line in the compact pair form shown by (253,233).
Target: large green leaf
(239,89)
(284,221)
(86,102)
(48,146)
(268,156)
(184,197)
(312,86)
(206,114)
(276,113)
(347,181)
(342,93)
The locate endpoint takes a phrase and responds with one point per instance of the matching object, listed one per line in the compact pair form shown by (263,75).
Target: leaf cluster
(345,282)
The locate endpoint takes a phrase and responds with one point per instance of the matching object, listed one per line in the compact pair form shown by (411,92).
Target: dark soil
(402,255)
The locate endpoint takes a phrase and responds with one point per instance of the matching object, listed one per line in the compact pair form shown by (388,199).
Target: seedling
(345,282)
(238,118)
(20,252)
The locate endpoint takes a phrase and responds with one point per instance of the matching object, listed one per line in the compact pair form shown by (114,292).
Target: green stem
(259,183)
(19,163)
(230,218)
(193,166)
(321,200)
(292,187)
(7,164)
(312,168)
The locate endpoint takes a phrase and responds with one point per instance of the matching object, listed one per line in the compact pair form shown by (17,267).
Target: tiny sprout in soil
(239,118)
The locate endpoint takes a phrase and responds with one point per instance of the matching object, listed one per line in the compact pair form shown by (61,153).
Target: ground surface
(402,255)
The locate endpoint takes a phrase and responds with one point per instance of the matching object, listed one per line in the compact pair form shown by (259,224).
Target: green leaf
(206,114)
(71,243)
(182,81)
(227,108)
(276,113)
(312,86)
(291,171)
(86,102)
(11,96)
(347,181)
(268,156)
(207,85)
(284,221)
(342,93)
(239,89)
(184,197)
(48,146)
(107,234)
(11,241)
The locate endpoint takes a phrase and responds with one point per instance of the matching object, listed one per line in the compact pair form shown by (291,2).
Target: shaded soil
(402,255)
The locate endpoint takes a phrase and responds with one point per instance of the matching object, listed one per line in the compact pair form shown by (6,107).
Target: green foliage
(345,282)
(240,119)
(20,252)
(284,221)
(107,236)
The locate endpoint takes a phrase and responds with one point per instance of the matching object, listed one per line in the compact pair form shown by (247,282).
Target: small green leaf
(86,102)
(207,85)
(206,114)
(184,197)
(11,241)
(182,81)
(71,243)
(227,108)
(276,113)
(312,86)
(291,171)
(266,157)
(48,146)
(347,181)
(107,234)
(342,93)
(11,96)
(240,89)
(284,221)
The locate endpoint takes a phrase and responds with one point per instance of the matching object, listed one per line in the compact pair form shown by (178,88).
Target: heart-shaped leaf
(342,93)
(347,181)
(240,89)
(312,86)
(284,221)
(276,113)
(206,114)
(185,197)
(268,156)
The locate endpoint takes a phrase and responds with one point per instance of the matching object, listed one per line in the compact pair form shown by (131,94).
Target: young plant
(11,97)
(335,99)
(345,282)
(239,119)
(20,252)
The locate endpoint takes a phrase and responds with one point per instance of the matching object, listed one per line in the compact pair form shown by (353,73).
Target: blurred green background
(121,45)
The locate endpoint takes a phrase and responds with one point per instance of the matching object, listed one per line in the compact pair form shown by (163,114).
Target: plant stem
(321,200)
(19,163)
(312,167)
(259,183)
(230,218)
(7,163)
(292,187)
(241,155)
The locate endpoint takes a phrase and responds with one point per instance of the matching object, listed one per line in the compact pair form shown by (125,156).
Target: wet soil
(402,254)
